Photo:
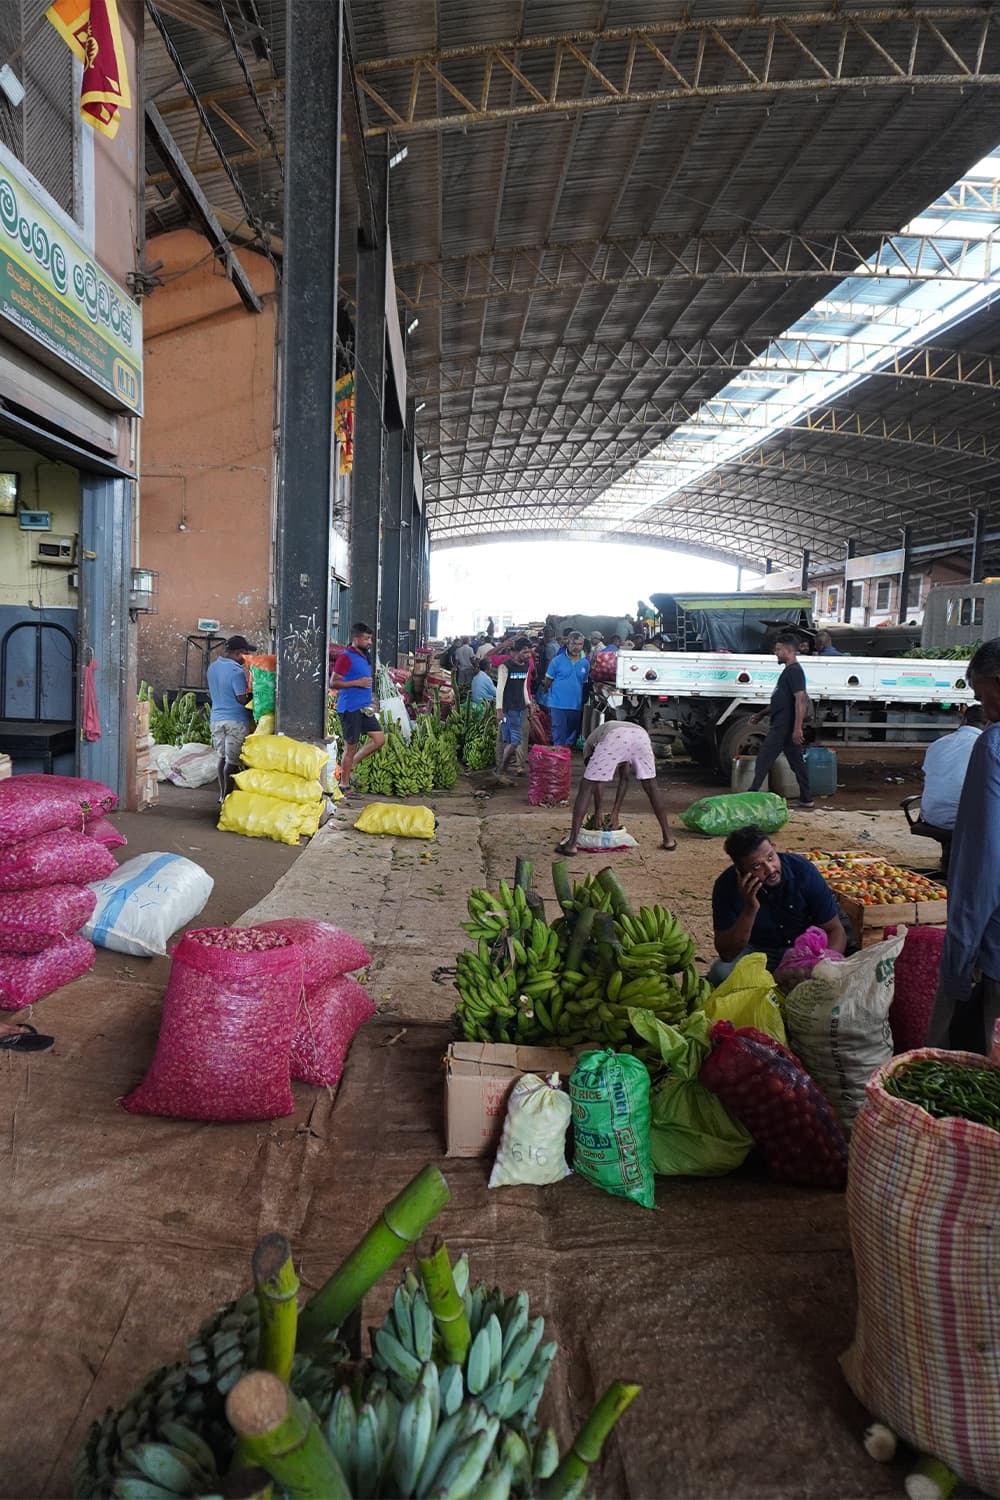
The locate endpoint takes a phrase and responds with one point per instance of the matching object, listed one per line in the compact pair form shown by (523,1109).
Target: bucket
(782,779)
(821,764)
(743,772)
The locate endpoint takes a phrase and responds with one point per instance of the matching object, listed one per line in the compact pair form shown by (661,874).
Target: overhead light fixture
(411,326)
(11,85)
(419,408)
(399,156)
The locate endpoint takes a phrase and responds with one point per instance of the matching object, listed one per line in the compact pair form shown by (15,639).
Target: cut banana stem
(446,1305)
(400,1224)
(277,1289)
(247,1484)
(581,937)
(522,873)
(608,881)
(586,1450)
(280,1434)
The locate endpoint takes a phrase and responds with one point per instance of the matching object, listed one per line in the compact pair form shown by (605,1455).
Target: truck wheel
(738,737)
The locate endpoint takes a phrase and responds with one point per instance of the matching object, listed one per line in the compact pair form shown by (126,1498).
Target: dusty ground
(731,1304)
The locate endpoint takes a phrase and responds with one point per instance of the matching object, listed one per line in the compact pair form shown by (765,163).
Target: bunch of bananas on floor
(654,940)
(398,769)
(439,746)
(505,985)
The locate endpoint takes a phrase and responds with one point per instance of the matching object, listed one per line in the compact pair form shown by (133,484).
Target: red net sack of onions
(32,920)
(549,772)
(225,1040)
(34,804)
(63,856)
(27,977)
(329,1015)
(766,1088)
(326,951)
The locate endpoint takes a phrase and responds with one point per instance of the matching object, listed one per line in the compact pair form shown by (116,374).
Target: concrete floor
(103,1209)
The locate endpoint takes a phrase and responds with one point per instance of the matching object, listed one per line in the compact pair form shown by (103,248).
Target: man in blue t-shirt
(352,678)
(765,901)
(566,677)
(230,718)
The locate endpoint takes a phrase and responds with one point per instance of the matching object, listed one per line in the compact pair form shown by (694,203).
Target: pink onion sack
(60,857)
(25,978)
(226,1035)
(105,832)
(326,951)
(915,981)
(549,774)
(31,920)
(328,1016)
(800,960)
(36,804)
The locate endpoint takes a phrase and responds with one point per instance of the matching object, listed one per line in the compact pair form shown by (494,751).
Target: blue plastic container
(821,764)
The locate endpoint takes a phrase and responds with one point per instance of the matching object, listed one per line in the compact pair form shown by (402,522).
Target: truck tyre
(739,737)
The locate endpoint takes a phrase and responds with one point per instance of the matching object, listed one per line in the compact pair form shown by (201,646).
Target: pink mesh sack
(60,857)
(105,832)
(36,804)
(326,951)
(549,772)
(328,1016)
(25,978)
(31,920)
(915,985)
(226,1033)
(800,960)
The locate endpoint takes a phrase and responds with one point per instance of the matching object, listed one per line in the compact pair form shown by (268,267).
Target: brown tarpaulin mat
(729,1304)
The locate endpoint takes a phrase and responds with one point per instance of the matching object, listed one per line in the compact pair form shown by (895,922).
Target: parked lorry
(708,691)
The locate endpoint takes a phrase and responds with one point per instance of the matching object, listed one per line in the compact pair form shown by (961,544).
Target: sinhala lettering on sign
(53,291)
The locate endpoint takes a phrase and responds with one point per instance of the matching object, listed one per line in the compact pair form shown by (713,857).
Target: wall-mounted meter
(56,551)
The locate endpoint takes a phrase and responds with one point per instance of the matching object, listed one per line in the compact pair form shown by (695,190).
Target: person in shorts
(230,719)
(616,751)
(352,678)
(514,707)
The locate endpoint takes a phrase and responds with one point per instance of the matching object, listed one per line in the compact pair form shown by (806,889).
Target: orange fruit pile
(873,882)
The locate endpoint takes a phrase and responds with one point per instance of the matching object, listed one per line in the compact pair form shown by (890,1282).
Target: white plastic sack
(395,708)
(194,765)
(533,1144)
(163,757)
(145,902)
(603,840)
(838,1023)
(328,775)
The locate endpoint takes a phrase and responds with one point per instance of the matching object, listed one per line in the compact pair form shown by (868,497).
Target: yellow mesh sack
(279,784)
(276,752)
(258,817)
(404,822)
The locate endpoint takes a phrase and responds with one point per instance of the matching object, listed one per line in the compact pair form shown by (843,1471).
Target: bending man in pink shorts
(614,751)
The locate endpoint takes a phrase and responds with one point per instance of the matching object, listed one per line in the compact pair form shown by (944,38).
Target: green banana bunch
(653,939)
(507,985)
(589,893)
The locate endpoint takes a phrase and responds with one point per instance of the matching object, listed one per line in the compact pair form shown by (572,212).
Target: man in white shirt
(945,764)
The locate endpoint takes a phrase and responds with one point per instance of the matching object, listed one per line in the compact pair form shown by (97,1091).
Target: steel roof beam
(678,61)
(656,259)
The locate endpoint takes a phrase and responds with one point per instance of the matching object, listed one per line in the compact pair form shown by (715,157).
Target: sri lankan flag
(92,30)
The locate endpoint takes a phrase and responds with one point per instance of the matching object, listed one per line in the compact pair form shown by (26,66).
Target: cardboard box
(142,718)
(869,921)
(478,1078)
(6,768)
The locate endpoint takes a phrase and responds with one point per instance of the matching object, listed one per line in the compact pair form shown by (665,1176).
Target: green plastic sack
(403,821)
(262,683)
(717,816)
(692,1133)
(609,1092)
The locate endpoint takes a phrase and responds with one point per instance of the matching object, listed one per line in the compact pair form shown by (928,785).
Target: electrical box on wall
(56,551)
(34,520)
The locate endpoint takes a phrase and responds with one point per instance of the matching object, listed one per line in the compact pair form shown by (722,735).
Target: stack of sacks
(247,1009)
(280,795)
(47,858)
(441,689)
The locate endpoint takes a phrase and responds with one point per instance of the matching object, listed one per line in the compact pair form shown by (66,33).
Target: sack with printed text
(533,1143)
(609,1092)
(145,902)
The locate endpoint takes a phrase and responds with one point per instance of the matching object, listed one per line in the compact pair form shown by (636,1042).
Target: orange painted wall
(206,467)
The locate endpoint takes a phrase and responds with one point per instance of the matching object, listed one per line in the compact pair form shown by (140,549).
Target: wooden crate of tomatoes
(876,894)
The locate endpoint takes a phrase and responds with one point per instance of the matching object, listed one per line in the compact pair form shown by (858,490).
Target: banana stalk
(609,882)
(581,938)
(447,1307)
(248,1484)
(277,1287)
(586,1450)
(280,1433)
(561,884)
(400,1224)
(522,873)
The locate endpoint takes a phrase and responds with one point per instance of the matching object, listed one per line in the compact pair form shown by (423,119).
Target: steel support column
(848,585)
(105,585)
(308,368)
(978,537)
(407,540)
(904,575)
(368,479)
(392,514)
(805,569)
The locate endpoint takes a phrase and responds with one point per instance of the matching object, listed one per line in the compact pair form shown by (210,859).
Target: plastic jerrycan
(782,779)
(821,763)
(743,772)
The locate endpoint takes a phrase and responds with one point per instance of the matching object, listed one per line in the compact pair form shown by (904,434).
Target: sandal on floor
(565,849)
(669,847)
(24,1038)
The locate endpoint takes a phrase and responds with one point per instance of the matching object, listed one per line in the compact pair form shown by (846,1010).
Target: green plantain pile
(428,763)
(576,980)
(473,728)
(445,1408)
(440,748)
(182,722)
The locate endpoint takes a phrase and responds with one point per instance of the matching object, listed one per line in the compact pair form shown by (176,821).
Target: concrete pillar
(392,519)
(368,477)
(308,367)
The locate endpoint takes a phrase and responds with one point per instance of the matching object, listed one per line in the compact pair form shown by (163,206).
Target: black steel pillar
(976,568)
(407,540)
(368,476)
(848,585)
(392,520)
(805,569)
(904,575)
(308,365)
(767,565)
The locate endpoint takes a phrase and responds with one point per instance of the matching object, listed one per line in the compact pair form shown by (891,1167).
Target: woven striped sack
(923,1200)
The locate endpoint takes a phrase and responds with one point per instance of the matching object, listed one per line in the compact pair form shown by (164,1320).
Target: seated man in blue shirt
(484,689)
(765,901)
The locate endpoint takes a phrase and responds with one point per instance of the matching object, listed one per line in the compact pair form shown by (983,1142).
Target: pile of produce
(943,653)
(398,769)
(576,980)
(274,1400)
(474,729)
(441,749)
(182,722)
(873,882)
(949,1090)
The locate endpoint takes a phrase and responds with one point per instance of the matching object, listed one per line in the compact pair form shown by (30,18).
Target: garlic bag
(533,1144)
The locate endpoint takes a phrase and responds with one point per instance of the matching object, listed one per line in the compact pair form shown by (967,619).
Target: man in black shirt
(789,705)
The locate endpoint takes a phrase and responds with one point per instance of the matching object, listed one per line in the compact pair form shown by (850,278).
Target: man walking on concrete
(352,677)
(789,706)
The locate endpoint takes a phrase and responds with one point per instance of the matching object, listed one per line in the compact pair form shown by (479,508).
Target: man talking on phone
(765,901)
